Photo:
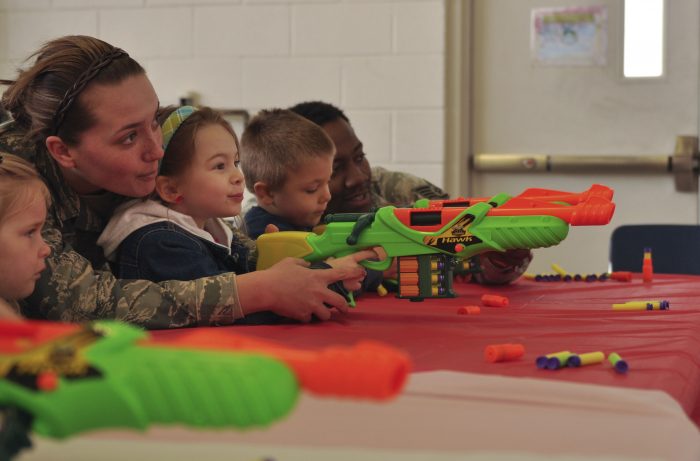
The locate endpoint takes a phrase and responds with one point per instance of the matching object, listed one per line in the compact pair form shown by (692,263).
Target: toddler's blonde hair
(19,184)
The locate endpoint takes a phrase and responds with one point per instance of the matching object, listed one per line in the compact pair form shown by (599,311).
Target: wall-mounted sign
(569,36)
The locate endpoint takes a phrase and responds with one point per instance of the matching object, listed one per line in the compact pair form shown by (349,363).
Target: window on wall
(644,38)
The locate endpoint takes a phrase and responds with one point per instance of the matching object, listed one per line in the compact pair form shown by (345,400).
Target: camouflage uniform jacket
(78,284)
(401,189)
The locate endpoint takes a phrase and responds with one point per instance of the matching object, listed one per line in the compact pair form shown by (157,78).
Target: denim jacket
(164,251)
(146,240)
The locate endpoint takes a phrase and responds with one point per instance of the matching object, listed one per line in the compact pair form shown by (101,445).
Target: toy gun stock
(58,380)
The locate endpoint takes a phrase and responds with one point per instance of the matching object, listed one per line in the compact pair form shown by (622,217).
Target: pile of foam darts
(561,275)
(508,352)
(563,359)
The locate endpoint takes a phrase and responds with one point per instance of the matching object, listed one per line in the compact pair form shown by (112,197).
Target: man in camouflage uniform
(400,189)
(357,188)
(78,285)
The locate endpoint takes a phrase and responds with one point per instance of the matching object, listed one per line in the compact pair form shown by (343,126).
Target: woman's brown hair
(45,98)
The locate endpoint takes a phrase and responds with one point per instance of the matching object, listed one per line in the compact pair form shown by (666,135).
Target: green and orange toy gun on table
(431,237)
(58,380)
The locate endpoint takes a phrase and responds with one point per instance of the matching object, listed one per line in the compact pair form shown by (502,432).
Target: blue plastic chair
(675,248)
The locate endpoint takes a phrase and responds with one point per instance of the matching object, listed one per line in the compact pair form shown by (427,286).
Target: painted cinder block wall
(381,61)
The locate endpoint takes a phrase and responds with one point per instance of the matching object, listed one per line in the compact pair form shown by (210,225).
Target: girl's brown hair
(19,184)
(45,98)
(180,151)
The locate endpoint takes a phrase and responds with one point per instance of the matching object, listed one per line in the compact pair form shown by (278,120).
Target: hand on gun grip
(498,268)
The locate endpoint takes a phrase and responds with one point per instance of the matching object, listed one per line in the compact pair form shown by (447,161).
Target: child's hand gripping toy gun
(62,379)
(429,238)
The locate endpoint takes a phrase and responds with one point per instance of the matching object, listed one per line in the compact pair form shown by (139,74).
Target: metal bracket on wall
(684,163)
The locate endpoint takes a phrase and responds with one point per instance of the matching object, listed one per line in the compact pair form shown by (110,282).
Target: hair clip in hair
(173,122)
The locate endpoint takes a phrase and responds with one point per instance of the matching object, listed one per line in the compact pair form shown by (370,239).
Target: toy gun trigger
(378,265)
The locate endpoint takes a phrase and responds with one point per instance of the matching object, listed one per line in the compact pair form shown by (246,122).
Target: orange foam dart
(621,276)
(647,266)
(367,370)
(408,264)
(469,310)
(494,300)
(409,278)
(503,352)
(408,290)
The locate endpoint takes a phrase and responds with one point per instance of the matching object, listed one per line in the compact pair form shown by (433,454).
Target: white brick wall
(382,61)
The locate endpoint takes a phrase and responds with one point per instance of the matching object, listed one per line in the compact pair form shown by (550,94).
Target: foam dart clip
(494,300)
(589,358)
(617,363)
(503,352)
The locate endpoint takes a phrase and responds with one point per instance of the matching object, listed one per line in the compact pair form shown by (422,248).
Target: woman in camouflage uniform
(84,114)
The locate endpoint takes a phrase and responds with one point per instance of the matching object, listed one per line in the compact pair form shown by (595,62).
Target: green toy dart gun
(58,380)
(427,240)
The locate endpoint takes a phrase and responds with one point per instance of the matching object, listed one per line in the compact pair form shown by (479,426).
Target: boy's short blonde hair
(19,183)
(277,142)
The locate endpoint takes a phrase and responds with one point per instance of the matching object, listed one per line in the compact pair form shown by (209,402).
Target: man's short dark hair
(319,112)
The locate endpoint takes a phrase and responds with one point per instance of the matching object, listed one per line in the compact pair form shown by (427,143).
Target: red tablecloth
(661,347)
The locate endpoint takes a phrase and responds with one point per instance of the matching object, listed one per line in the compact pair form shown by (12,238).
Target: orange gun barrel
(369,369)
(595,211)
(546,195)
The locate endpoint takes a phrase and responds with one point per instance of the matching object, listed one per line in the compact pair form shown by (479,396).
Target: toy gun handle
(275,246)
(367,370)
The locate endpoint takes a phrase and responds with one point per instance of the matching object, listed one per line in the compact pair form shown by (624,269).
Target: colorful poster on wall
(569,36)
